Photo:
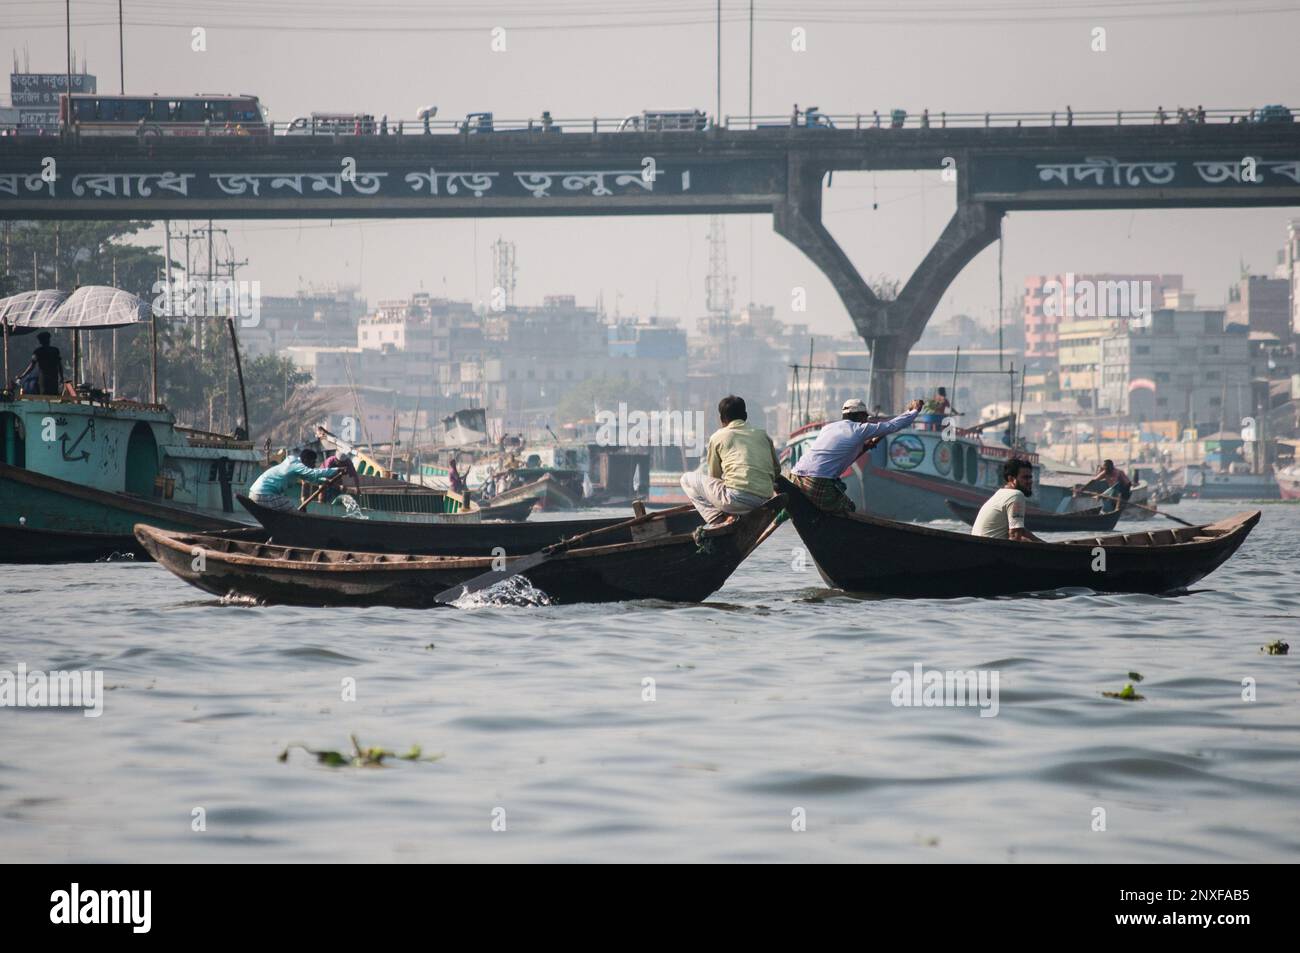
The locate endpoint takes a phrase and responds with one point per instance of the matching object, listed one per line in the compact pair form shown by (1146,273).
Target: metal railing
(811,121)
(925,119)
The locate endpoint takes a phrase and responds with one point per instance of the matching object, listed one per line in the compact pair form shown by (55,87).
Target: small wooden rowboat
(655,564)
(861,553)
(312,531)
(1087,521)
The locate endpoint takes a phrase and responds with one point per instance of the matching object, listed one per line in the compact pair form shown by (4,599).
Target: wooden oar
(318,491)
(524,563)
(1137,506)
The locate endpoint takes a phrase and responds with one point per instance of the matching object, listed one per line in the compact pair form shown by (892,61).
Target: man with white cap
(837,445)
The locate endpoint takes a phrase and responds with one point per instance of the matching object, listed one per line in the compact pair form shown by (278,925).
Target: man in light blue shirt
(272,488)
(837,445)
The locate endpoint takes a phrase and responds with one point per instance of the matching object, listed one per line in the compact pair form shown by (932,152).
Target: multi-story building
(1186,364)
(1261,305)
(1050,300)
(1288,269)
(310,319)
(533,357)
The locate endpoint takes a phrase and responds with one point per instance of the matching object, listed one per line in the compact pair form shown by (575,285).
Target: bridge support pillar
(889,327)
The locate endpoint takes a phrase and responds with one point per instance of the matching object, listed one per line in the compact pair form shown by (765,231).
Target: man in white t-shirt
(1003,515)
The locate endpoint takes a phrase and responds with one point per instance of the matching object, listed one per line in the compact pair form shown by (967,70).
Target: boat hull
(427,539)
(547,493)
(67,522)
(673,567)
(860,553)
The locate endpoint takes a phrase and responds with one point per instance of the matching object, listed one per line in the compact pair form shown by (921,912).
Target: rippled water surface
(772,697)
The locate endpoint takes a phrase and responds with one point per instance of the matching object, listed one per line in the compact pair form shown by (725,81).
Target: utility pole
(121,52)
(751,68)
(718,115)
(67,27)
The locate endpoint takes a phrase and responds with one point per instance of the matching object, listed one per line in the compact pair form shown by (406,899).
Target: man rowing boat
(1003,514)
(837,445)
(739,467)
(271,488)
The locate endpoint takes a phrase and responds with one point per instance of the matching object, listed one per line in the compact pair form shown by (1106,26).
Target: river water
(771,712)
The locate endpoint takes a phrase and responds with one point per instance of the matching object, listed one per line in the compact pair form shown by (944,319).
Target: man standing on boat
(271,489)
(1003,514)
(740,467)
(47,362)
(936,408)
(837,445)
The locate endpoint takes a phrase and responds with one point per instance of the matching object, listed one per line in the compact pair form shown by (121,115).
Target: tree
(196,368)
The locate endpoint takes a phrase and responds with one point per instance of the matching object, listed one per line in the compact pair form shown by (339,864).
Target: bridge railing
(925,119)
(811,121)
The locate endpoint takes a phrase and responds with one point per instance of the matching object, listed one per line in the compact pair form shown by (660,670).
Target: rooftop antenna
(718,289)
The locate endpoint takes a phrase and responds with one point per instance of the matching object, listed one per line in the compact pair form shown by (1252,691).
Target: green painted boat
(79,470)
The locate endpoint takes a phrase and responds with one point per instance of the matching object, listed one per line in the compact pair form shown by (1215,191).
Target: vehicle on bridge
(1273,113)
(92,114)
(332,124)
(672,120)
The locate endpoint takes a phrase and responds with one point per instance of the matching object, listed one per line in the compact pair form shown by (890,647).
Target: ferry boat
(78,470)
(1201,482)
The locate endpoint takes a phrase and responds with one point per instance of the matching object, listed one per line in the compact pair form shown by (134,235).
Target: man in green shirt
(738,470)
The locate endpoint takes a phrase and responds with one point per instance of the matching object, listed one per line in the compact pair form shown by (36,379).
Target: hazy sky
(617,57)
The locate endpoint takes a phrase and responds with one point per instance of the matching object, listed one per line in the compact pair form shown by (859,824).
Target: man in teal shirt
(272,488)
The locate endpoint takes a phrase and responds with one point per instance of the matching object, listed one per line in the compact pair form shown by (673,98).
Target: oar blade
(490,578)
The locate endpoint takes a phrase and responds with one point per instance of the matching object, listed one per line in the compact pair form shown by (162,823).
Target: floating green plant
(361,757)
(1128,693)
(1276,647)
(1135,676)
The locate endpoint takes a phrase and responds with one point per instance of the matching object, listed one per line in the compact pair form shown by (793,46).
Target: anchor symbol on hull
(63,444)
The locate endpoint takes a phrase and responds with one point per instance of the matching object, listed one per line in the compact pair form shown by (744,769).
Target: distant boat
(1288,482)
(1200,482)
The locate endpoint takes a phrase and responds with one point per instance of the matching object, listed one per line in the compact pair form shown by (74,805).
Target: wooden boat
(515,511)
(655,564)
(1091,520)
(548,489)
(310,531)
(861,553)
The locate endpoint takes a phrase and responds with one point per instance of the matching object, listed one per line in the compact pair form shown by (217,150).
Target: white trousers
(714,499)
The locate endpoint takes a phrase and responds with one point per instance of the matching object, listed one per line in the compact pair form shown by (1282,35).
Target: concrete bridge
(1067,161)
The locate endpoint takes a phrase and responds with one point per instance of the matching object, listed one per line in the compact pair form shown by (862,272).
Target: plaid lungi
(825,493)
